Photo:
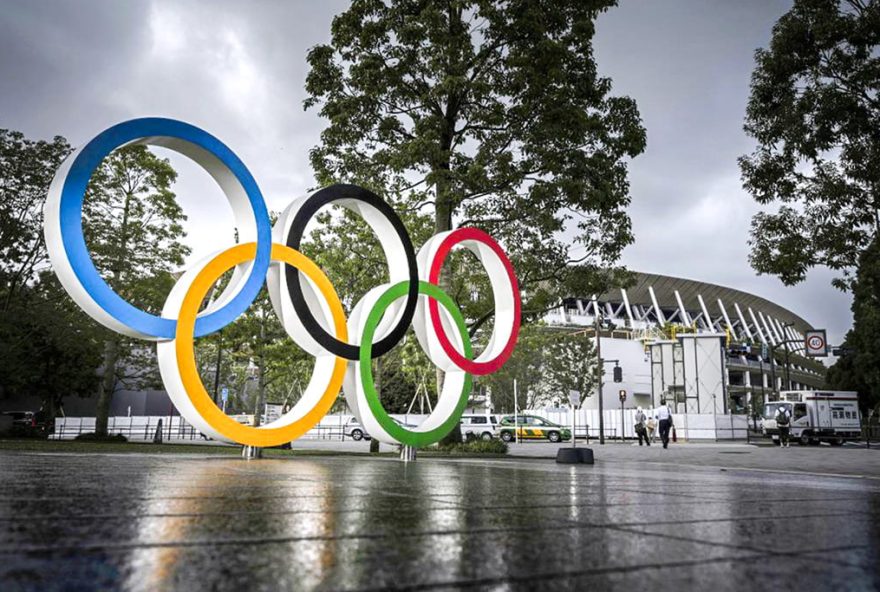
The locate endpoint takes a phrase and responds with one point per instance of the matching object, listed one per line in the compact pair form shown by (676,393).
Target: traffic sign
(816,343)
(574,397)
(224,393)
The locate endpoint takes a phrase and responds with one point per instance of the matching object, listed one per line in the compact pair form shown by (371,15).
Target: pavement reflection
(141,522)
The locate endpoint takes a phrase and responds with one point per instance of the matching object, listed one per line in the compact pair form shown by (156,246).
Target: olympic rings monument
(303,298)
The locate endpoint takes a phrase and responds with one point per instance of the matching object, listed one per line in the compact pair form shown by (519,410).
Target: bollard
(574,456)
(407,453)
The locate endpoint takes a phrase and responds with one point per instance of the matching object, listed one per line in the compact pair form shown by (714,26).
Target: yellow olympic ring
(185,350)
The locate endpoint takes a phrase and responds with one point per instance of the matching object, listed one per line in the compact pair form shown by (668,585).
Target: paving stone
(141,522)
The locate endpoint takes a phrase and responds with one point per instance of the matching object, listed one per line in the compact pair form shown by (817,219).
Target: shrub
(92,437)
(477,447)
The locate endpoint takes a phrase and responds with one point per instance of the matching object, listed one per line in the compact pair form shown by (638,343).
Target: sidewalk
(847,460)
(210,522)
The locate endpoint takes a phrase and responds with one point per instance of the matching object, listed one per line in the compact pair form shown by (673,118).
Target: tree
(570,365)
(344,247)
(493,115)
(45,348)
(26,170)
(260,349)
(814,110)
(547,364)
(132,226)
(858,368)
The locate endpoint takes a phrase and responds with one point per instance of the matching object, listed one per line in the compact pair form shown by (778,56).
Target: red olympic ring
(476,366)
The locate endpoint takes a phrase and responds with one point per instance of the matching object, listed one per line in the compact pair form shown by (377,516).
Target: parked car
(22,419)
(475,426)
(354,430)
(532,427)
(27,423)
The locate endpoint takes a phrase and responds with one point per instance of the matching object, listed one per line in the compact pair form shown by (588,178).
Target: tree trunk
(377,384)
(442,223)
(261,378)
(106,386)
(258,404)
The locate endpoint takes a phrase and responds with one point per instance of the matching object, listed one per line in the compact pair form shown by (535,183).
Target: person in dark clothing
(783,422)
(641,430)
(664,416)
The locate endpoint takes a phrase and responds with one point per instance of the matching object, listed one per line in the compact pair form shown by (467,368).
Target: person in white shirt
(664,416)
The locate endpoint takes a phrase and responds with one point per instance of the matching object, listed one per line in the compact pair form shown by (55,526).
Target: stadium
(709,349)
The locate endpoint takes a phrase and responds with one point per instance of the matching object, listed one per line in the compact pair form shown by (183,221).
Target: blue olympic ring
(206,146)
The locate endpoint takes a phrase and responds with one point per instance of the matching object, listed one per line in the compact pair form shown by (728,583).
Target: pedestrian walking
(641,429)
(783,422)
(664,417)
(651,426)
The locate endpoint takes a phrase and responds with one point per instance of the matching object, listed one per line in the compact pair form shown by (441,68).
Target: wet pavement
(193,522)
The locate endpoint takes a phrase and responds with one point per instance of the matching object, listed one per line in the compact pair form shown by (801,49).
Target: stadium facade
(708,348)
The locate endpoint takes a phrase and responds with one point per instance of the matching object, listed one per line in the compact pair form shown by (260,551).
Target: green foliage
(814,111)
(346,249)
(263,364)
(859,368)
(93,437)
(547,364)
(570,365)
(45,348)
(493,446)
(493,115)
(132,227)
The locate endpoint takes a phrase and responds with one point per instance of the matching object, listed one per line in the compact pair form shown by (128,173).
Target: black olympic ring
(294,237)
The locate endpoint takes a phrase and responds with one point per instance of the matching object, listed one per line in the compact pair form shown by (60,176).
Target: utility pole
(600,369)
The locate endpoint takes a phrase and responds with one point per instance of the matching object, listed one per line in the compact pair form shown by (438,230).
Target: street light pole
(600,369)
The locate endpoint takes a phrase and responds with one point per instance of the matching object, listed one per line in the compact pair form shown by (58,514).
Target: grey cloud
(238,68)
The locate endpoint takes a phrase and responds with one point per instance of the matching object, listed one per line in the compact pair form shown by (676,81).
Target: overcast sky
(237,70)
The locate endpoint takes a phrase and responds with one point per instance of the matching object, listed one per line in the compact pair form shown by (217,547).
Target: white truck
(816,416)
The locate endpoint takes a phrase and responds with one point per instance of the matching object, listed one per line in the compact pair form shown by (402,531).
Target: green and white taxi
(531,427)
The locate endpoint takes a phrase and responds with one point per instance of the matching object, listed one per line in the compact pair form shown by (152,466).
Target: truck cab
(816,416)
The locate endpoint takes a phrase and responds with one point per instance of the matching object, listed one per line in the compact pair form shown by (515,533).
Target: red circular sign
(816,342)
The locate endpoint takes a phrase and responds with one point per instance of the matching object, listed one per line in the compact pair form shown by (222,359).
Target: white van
(478,426)
(816,416)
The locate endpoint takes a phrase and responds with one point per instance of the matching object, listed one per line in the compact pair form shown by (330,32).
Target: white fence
(688,426)
(175,428)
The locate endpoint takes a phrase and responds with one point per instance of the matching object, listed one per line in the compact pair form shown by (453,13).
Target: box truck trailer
(816,416)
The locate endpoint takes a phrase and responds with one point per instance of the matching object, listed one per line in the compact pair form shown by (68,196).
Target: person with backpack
(783,422)
(641,430)
(664,416)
